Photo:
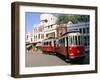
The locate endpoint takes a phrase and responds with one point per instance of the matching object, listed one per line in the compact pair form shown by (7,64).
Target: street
(37,58)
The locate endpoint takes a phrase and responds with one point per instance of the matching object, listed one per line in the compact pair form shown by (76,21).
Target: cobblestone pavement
(37,58)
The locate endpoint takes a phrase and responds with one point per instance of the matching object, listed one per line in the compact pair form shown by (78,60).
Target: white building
(28,37)
(45,29)
(38,33)
(49,22)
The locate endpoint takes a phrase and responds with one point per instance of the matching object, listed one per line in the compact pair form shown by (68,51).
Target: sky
(31,19)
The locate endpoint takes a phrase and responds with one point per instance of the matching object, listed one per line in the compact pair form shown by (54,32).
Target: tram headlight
(70,48)
(71,54)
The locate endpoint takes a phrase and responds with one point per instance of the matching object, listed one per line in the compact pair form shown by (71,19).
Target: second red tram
(49,45)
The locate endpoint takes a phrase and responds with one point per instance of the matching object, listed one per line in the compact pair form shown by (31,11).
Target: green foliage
(65,18)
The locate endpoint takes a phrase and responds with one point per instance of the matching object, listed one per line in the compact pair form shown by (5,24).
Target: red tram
(49,45)
(69,45)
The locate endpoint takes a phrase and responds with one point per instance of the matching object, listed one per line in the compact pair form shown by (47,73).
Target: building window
(83,30)
(46,35)
(51,26)
(38,36)
(34,38)
(87,30)
(45,20)
(48,27)
(31,39)
(27,36)
(42,36)
(85,40)
(36,30)
(80,30)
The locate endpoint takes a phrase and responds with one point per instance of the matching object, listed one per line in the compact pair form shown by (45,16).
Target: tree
(65,18)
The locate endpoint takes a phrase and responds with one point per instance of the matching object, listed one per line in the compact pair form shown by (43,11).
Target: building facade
(38,33)
(45,29)
(49,22)
(61,29)
(28,37)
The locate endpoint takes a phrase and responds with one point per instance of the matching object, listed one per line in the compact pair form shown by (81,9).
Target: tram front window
(62,42)
(54,43)
(76,40)
(69,40)
(50,43)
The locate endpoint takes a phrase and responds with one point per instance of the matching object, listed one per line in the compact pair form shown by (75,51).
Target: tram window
(63,41)
(54,43)
(47,43)
(70,40)
(79,40)
(73,40)
(67,41)
(76,40)
(44,43)
(88,39)
(50,43)
(85,40)
(59,42)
